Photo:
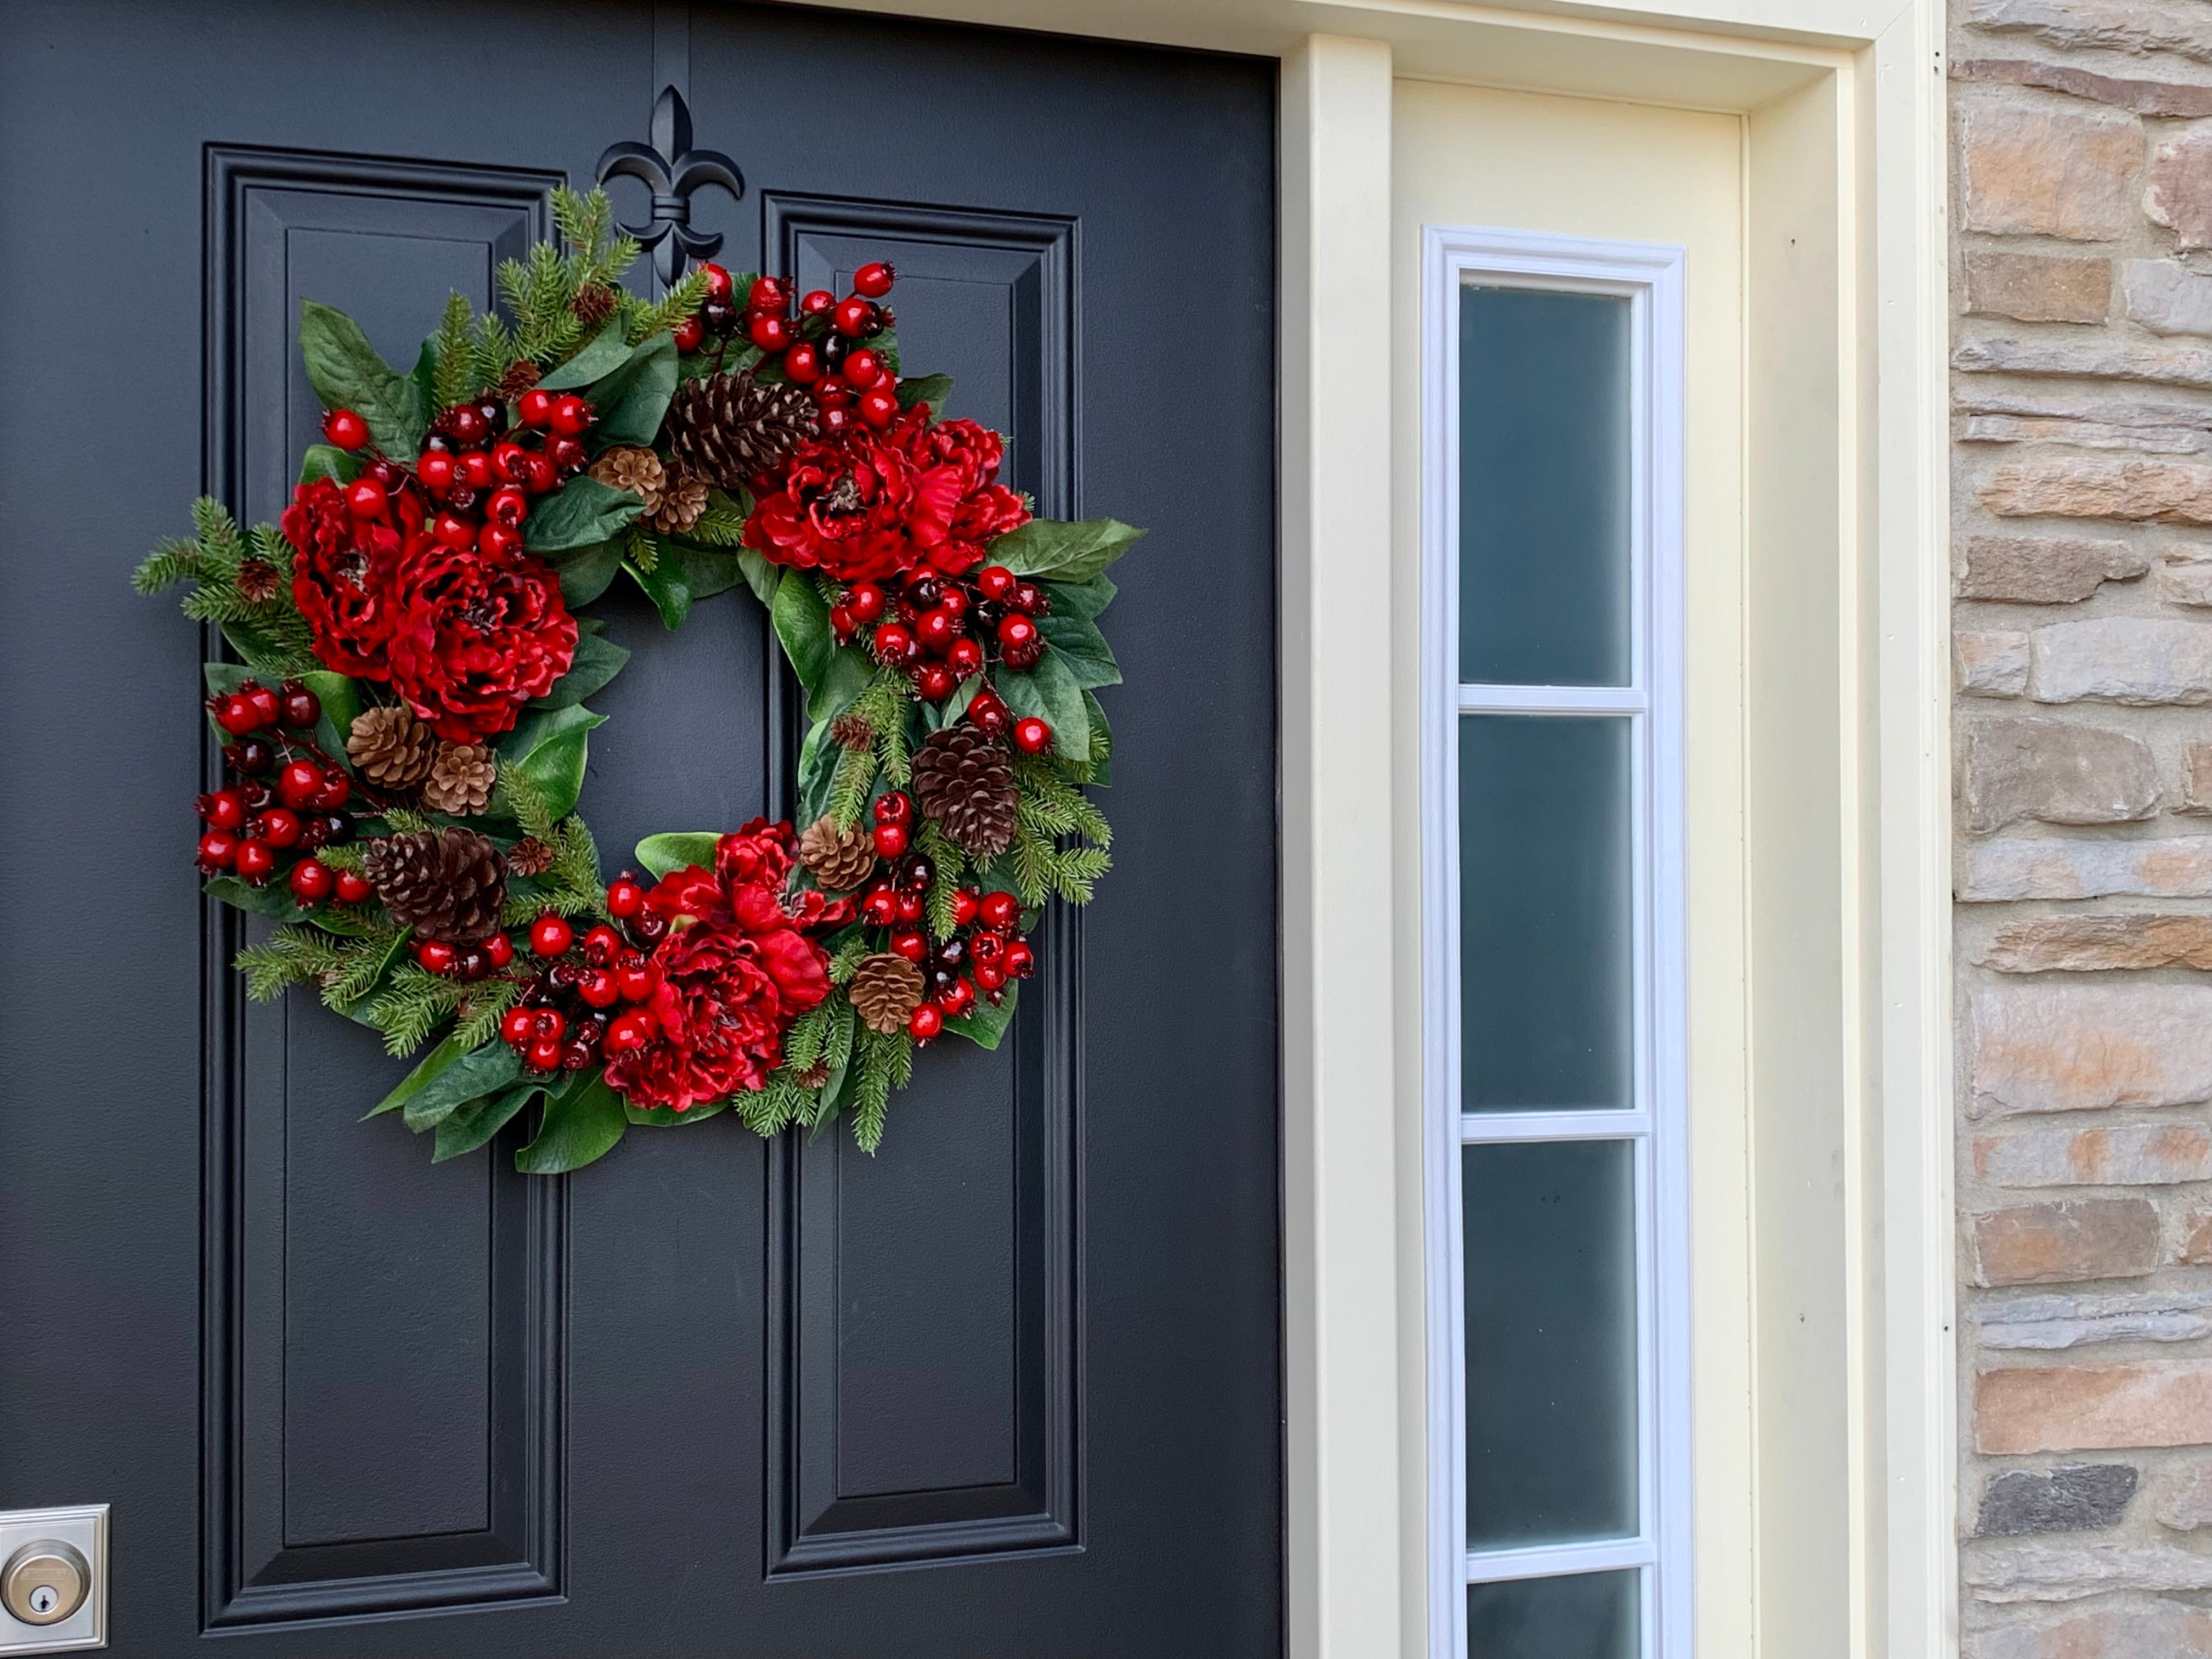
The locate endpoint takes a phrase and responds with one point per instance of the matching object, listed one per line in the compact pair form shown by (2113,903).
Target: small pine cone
(447,884)
(682,499)
(530,857)
(521,375)
(594,303)
(964,778)
(851,730)
(257,581)
(812,1077)
(730,428)
(839,859)
(884,990)
(390,747)
(628,466)
(460,778)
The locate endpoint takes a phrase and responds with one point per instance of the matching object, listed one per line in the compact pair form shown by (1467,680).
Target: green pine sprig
(268,634)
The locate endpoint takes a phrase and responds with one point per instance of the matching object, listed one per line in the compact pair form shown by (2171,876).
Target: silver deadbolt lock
(44,1582)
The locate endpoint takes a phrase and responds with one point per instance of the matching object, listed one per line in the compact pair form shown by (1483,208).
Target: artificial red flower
(473,636)
(341,574)
(959,509)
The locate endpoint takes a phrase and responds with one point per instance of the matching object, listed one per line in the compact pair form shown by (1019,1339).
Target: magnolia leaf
(583,1120)
(275,901)
(849,674)
(802,623)
(469,1127)
(416,1080)
(1065,552)
(328,461)
(549,747)
(674,849)
(931,389)
(1081,647)
(632,399)
(665,585)
(817,767)
(341,700)
(603,353)
(707,570)
(984,1025)
(581,511)
(586,572)
(599,659)
(467,1077)
(1080,599)
(760,575)
(1049,692)
(347,373)
(1101,743)
(667,1117)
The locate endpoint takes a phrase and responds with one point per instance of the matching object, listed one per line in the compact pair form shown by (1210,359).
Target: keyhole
(45,1599)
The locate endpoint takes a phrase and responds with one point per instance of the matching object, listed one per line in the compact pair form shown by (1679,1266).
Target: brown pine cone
(594,303)
(812,1077)
(460,778)
(964,778)
(447,884)
(390,747)
(851,730)
(257,581)
(884,990)
(839,859)
(729,429)
(530,857)
(628,466)
(521,375)
(682,499)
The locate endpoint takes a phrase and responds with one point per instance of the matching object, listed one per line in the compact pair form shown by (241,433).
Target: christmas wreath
(404,730)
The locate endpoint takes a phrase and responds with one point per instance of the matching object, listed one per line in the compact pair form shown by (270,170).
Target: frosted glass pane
(1543,488)
(1551,1341)
(1545,895)
(1592,1616)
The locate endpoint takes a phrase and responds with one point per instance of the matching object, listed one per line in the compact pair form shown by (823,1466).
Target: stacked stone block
(2082,383)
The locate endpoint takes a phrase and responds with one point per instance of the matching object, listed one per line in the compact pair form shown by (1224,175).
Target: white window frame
(1650,276)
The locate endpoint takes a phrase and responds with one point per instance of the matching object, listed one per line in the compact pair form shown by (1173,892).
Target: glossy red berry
(815,301)
(435,957)
(268,707)
(936,630)
(311,882)
(803,362)
(509,505)
(236,715)
(842,622)
(597,987)
(874,279)
(366,499)
(515,1029)
(880,908)
(635,978)
(1019,959)
(998,910)
(435,470)
(535,408)
(353,887)
(453,530)
(1016,632)
(337,790)
(551,936)
(223,810)
(926,1022)
(690,334)
(466,425)
(854,316)
(767,294)
(625,898)
(896,806)
(1032,736)
(990,978)
(499,541)
(719,286)
(543,475)
(878,408)
(933,681)
(548,1024)
(629,1031)
(301,708)
(499,949)
(298,783)
(345,429)
(572,415)
(770,331)
(862,368)
(994,582)
(602,944)
(217,849)
(279,827)
(543,1054)
(957,999)
(891,840)
(912,943)
(894,643)
(866,601)
(965,656)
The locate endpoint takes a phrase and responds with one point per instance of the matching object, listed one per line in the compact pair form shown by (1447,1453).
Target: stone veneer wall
(2081,388)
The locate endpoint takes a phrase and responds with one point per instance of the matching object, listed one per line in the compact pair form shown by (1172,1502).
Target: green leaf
(1080,599)
(347,373)
(470,1125)
(632,399)
(1063,551)
(424,379)
(849,674)
(802,623)
(328,461)
(817,765)
(469,1077)
(581,512)
(673,849)
(548,746)
(667,1117)
(949,712)
(665,585)
(599,659)
(582,1121)
(760,575)
(275,901)
(931,389)
(1049,692)
(586,572)
(986,1025)
(707,570)
(341,700)
(604,352)
(1082,648)
(1101,743)
(415,1081)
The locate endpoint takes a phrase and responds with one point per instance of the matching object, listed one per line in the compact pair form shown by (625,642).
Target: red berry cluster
(285,798)
(591,996)
(943,629)
(985,948)
(822,347)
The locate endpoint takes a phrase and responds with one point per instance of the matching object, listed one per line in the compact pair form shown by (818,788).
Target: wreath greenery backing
(404,729)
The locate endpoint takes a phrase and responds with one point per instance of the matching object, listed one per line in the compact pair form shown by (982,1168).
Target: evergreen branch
(486,1007)
(515,792)
(848,787)
(803,1044)
(1075,870)
(414,1007)
(400,821)
(848,959)
(672,308)
(644,550)
(722,525)
(174,561)
(1032,866)
(950,862)
(218,534)
(342,858)
(291,956)
(457,375)
(885,1063)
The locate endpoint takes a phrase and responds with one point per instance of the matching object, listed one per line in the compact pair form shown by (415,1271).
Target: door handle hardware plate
(53,1580)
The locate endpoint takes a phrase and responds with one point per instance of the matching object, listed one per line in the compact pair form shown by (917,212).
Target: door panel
(707,1397)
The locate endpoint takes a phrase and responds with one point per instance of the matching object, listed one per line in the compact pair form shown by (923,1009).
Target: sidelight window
(1552,948)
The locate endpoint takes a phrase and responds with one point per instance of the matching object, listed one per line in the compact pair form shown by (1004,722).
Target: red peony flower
(864,506)
(343,572)
(735,971)
(472,638)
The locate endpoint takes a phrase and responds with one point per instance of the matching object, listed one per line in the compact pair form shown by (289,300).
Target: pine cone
(812,1077)
(851,730)
(682,499)
(884,990)
(448,884)
(530,857)
(460,778)
(963,780)
(627,466)
(839,859)
(390,747)
(257,581)
(729,429)
(594,303)
(520,375)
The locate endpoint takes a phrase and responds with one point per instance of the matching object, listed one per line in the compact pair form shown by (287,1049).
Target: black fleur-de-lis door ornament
(671,170)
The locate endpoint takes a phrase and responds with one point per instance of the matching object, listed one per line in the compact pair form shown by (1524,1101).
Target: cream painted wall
(1464,155)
